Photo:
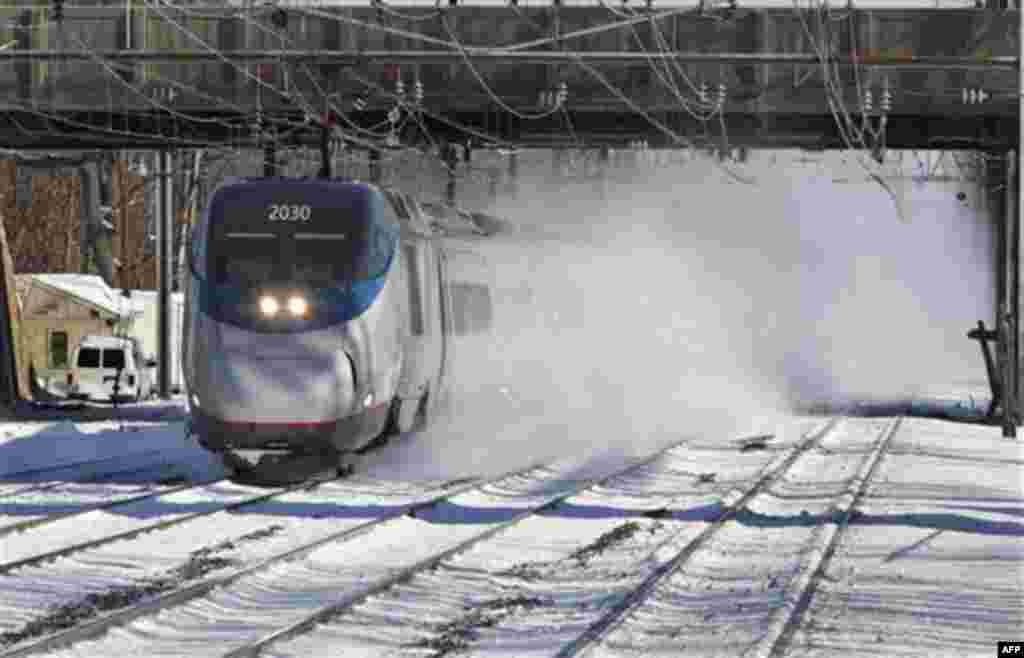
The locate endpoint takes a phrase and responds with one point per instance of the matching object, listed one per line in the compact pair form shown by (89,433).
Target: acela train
(319,319)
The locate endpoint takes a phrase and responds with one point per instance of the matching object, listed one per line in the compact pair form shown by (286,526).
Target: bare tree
(45,236)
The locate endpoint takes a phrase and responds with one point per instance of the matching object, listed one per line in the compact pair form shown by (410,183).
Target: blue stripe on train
(328,307)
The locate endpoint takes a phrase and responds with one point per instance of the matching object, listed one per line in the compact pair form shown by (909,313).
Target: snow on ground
(257,604)
(528,570)
(933,559)
(936,561)
(223,541)
(126,441)
(905,576)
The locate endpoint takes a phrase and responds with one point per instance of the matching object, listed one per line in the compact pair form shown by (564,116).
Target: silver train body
(320,317)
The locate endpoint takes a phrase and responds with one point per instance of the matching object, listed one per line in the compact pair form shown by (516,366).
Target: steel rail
(780,631)
(913,452)
(8,567)
(101,625)
(62,467)
(93,479)
(507,55)
(352,598)
(39,486)
(618,613)
(28,524)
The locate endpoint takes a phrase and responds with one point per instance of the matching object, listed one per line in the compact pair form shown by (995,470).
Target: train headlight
(268,306)
(297,306)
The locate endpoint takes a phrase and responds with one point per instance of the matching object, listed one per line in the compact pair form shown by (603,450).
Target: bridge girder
(949,77)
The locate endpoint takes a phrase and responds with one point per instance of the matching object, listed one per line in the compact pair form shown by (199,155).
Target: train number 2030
(287,213)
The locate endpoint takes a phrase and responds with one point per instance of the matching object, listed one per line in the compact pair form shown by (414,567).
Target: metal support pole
(269,159)
(1008,311)
(375,166)
(603,158)
(164,236)
(89,207)
(513,172)
(1018,222)
(325,151)
(451,160)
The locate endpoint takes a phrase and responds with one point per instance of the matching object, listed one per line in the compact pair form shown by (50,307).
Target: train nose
(277,389)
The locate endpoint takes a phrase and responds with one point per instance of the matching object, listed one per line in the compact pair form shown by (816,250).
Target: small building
(58,310)
(144,327)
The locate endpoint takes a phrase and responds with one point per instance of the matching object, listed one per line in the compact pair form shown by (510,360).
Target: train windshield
(246,259)
(316,233)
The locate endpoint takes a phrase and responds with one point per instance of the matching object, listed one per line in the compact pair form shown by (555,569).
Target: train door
(445,329)
(423,336)
(434,318)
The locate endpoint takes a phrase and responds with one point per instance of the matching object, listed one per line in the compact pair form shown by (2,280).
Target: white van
(96,362)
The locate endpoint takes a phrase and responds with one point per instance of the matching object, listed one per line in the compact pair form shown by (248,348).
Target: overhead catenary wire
(308,108)
(672,135)
(487,88)
(836,106)
(298,100)
(831,93)
(670,84)
(396,128)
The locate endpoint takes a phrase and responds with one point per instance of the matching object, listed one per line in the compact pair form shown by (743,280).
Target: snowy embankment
(904,574)
(931,557)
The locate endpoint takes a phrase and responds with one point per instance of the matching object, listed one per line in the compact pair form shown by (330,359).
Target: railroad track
(508,484)
(50,472)
(357,595)
(43,519)
(213,507)
(767,475)
(179,596)
(786,618)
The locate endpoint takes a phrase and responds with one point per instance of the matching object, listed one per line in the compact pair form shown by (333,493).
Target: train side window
(472,308)
(416,324)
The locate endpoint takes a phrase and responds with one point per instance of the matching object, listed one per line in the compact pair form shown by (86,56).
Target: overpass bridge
(151,74)
(147,74)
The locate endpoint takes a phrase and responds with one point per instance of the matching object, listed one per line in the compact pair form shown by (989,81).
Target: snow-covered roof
(104,341)
(89,288)
(140,299)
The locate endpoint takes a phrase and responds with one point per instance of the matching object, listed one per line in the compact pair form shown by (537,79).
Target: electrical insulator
(418,92)
(869,105)
(975,95)
(394,115)
(721,94)
(703,93)
(563,94)
(400,89)
(886,98)
(359,104)
(279,18)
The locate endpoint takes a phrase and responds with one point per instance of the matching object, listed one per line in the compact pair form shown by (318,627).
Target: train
(321,317)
